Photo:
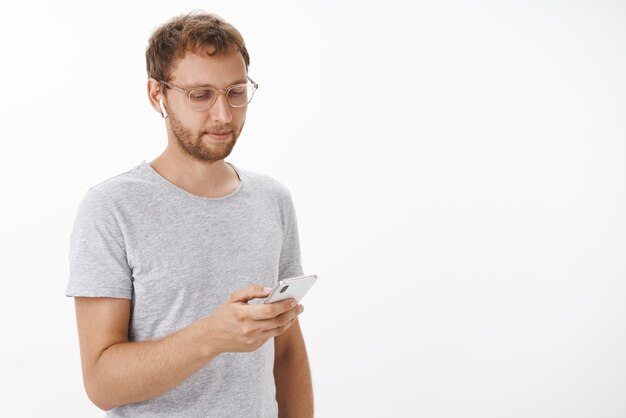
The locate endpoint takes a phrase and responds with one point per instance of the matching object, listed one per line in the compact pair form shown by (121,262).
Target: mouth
(219,136)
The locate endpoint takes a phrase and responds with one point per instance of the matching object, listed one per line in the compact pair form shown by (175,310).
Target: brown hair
(191,33)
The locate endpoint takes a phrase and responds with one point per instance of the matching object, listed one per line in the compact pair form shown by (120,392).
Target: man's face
(197,131)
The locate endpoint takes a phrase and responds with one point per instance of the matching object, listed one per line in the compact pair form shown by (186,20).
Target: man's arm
(118,372)
(294,388)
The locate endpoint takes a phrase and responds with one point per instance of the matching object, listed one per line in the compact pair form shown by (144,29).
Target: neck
(202,178)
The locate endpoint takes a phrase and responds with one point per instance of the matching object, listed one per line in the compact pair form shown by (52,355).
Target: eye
(237,91)
(201,95)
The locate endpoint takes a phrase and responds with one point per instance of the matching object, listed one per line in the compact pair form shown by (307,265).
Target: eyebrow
(240,81)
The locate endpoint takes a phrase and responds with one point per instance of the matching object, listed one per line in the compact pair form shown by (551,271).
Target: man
(169,260)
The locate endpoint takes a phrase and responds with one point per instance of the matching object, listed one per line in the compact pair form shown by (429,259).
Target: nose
(221,111)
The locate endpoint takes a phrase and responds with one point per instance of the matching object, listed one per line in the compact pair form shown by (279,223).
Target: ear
(155,94)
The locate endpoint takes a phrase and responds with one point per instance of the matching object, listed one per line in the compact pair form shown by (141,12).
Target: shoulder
(114,191)
(121,184)
(266,184)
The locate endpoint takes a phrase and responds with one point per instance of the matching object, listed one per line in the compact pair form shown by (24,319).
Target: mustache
(220,129)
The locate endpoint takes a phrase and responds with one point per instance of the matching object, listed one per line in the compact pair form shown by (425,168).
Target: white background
(457,170)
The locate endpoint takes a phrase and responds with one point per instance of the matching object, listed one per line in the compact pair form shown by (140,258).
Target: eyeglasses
(202,98)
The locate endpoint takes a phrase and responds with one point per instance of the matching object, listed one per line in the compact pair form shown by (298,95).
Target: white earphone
(163,111)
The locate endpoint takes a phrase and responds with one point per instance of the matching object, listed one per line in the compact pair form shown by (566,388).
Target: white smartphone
(293,287)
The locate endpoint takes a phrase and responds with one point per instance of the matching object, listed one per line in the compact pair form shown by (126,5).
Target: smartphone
(293,287)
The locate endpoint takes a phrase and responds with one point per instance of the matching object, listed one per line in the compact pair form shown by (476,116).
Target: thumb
(249,292)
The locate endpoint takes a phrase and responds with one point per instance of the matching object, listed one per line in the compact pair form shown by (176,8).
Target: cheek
(239,118)
(194,123)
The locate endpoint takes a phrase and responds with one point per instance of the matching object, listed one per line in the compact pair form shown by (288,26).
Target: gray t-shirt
(178,257)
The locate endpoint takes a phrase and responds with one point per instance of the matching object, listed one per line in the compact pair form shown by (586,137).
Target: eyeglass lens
(238,95)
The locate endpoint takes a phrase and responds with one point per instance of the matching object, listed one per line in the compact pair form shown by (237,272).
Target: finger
(281,320)
(270,310)
(275,332)
(249,292)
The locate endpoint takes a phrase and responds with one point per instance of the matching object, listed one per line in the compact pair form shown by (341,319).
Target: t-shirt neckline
(182,191)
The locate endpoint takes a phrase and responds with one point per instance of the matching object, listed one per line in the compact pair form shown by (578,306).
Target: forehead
(198,68)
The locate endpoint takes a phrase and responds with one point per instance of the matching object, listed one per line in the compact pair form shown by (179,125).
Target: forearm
(294,388)
(136,371)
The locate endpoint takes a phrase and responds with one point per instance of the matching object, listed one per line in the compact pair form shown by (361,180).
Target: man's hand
(236,326)
(118,372)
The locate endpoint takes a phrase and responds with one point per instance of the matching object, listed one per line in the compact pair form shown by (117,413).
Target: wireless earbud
(163,111)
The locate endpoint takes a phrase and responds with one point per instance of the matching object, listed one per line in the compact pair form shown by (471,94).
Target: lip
(219,136)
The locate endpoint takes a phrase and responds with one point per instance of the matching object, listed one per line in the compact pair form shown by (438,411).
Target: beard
(196,147)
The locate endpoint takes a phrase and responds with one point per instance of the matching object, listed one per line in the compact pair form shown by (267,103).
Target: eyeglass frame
(219,92)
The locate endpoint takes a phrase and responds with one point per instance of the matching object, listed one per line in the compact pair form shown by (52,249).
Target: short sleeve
(290,260)
(98,262)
